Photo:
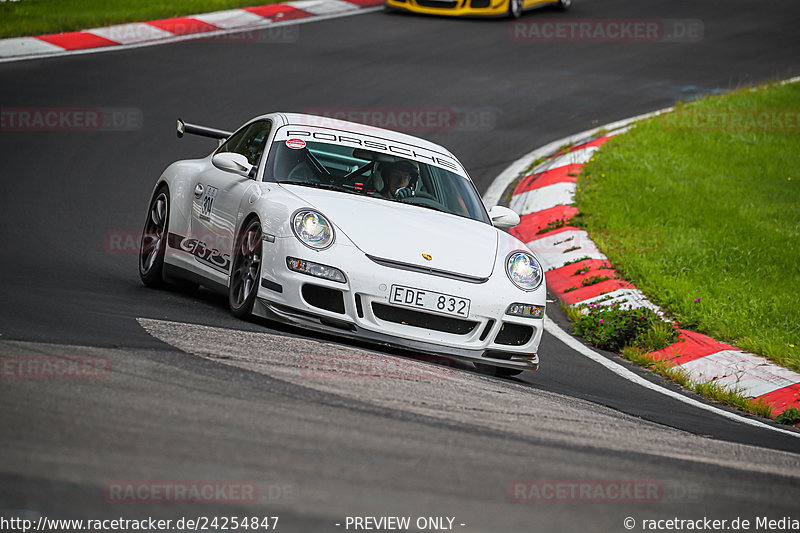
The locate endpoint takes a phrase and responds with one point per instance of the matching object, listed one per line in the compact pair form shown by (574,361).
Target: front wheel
(515,8)
(246,270)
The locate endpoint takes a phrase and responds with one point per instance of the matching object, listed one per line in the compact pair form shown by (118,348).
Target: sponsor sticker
(295,144)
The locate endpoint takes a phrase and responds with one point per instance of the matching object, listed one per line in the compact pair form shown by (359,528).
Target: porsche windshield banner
(293,134)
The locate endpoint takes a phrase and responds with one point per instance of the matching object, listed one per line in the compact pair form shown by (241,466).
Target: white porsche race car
(352,230)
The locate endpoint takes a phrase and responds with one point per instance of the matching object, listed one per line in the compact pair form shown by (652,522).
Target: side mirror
(503,217)
(232,162)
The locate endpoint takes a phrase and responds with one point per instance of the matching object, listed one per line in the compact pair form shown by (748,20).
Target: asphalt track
(323,449)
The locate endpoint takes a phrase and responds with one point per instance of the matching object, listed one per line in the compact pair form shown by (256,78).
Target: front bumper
(360,309)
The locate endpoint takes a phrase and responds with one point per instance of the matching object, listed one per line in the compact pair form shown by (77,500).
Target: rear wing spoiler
(194,129)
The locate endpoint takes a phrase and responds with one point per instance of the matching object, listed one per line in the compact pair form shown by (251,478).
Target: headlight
(313,229)
(524,271)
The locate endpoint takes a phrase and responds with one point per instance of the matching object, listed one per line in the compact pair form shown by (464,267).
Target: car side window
(249,141)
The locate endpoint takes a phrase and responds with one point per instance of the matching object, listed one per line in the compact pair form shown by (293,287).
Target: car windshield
(375,174)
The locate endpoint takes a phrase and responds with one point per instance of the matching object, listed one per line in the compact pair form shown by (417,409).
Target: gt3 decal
(209,256)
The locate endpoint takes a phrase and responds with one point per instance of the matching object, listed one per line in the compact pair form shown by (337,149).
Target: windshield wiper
(319,185)
(426,206)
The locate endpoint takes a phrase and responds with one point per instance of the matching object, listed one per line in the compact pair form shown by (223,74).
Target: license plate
(429,300)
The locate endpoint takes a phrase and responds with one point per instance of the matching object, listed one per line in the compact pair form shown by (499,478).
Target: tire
(153,246)
(154,241)
(497,371)
(515,8)
(246,270)
(564,5)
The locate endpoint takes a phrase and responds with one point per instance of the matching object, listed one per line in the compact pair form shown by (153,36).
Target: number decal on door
(207,202)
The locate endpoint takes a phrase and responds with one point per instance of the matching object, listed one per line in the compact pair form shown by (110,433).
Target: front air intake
(419,319)
(514,334)
(324,298)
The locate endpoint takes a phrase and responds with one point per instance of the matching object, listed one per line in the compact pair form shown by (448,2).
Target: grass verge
(36,17)
(728,396)
(712,191)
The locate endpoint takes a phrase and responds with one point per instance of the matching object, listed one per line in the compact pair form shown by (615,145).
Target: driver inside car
(399,184)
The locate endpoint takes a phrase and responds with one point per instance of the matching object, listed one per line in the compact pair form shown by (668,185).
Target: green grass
(790,416)
(593,280)
(536,162)
(553,225)
(726,260)
(640,357)
(732,397)
(36,17)
(614,329)
(710,389)
(578,260)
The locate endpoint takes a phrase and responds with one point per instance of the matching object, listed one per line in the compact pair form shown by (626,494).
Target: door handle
(198,190)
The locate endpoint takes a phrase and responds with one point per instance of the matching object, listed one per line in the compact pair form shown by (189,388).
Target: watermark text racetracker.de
(630,241)
(608,30)
(408,119)
(54,367)
(538,491)
(207,246)
(44,524)
(70,119)
(731,120)
(204,33)
(217,249)
(195,492)
(269,35)
(705,523)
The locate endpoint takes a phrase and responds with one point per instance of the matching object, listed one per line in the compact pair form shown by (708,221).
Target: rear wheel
(246,269)
(153,246)
(497,371)
(515,8)
(154,240)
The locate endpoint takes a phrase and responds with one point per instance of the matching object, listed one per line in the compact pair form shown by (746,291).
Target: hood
(402,232)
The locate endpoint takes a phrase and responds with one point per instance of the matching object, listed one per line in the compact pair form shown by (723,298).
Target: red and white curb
(546,196)
(180,28)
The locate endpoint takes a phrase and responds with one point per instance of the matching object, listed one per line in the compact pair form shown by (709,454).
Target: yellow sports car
(495,8)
